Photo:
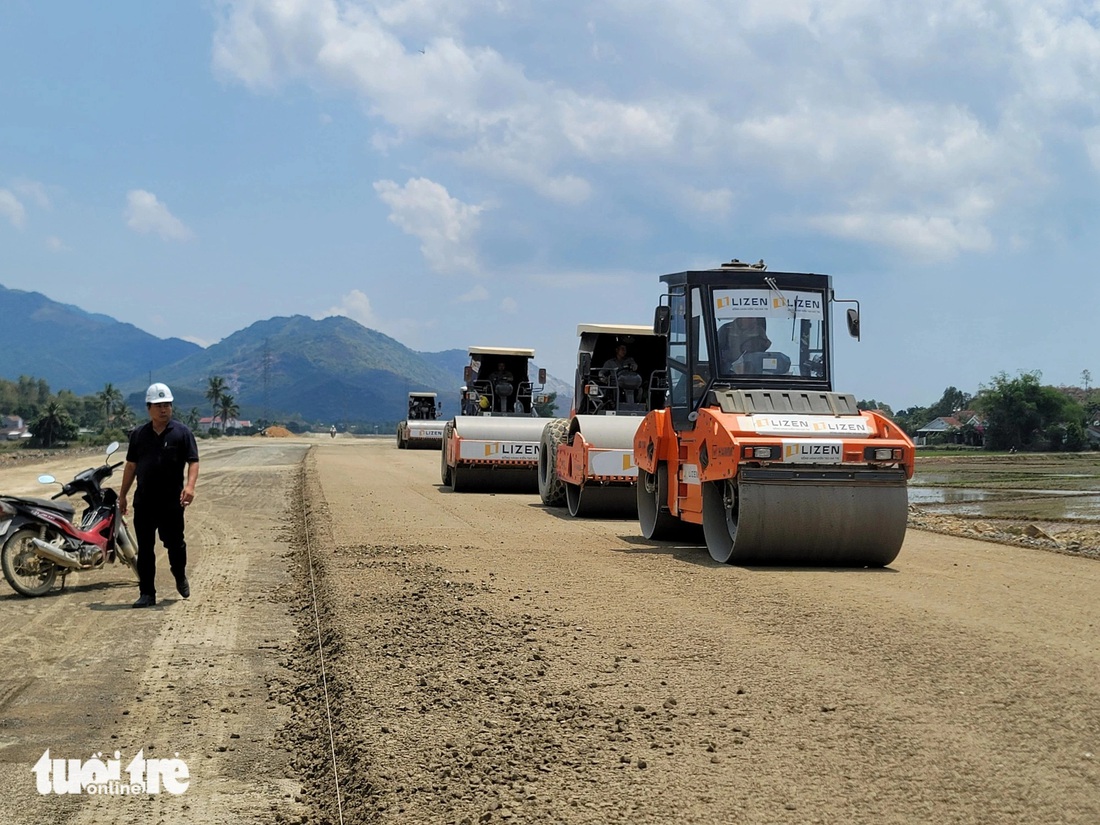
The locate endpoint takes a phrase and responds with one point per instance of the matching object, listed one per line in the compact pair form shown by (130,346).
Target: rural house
(963,427)
(207,423)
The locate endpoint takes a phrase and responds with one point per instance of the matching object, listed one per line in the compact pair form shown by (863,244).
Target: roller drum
(610,432)
(840,519)
(495,474)
(493,428)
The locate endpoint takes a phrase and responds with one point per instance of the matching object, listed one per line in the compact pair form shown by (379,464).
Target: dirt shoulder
(207,679)
(496,661)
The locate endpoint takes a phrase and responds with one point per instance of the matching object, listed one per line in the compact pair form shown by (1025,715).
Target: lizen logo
(813,452)
(506,450)
(104,777)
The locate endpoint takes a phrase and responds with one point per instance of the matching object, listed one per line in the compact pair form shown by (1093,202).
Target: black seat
(51,504)
(503,391)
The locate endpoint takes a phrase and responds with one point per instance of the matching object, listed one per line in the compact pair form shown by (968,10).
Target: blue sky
(494,172)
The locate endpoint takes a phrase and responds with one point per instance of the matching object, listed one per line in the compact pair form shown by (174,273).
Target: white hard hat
(158,394)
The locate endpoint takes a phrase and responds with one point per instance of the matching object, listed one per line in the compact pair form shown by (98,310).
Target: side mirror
(47,479)
(112,448)
(542,375)
(853,323)
(661,320)
(468,374)
(584,363)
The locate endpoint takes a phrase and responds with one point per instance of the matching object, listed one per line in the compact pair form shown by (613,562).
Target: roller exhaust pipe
(60,557)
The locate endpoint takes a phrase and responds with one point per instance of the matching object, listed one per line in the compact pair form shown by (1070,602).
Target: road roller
(422,427)
(493,443)
(754,444)
(586,461)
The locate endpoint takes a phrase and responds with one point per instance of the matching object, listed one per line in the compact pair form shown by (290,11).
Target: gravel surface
(361,645)
(495,661)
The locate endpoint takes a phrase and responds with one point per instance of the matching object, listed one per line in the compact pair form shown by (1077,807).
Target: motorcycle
(42,542)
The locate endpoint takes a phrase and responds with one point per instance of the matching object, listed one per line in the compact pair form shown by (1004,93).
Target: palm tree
(227,408)
(111,398)
(193,416)
(54,424)
(215,389)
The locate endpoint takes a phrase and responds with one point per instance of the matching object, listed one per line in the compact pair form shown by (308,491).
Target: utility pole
(265,372)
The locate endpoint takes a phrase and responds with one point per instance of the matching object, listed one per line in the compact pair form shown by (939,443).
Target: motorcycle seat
(50,504)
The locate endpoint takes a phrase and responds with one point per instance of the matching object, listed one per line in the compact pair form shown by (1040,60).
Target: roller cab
(493,443)
(422,427)
(586,461)
(754,445)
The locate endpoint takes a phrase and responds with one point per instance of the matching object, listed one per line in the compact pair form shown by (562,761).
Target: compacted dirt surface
(363,645)
(205,678)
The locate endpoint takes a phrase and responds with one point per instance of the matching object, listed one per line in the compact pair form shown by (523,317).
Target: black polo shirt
(161,460)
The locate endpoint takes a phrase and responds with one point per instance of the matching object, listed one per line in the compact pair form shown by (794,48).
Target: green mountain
(329,370)
(73,349)
(333,369)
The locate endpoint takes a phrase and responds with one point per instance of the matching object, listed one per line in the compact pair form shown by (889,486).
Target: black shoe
(183,587)
(145,600)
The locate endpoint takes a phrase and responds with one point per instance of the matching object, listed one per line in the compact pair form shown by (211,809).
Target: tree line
(1017,413)
(59,418)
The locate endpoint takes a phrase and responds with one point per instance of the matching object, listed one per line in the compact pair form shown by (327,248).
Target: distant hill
(76,350)
(451,361)
(334,369)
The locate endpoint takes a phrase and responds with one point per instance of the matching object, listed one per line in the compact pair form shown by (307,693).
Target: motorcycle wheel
(28,573)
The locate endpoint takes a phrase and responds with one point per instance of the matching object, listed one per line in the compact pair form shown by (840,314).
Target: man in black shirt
(158,453)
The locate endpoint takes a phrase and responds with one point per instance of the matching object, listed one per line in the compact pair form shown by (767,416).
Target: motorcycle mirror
(112,448)
(46,479)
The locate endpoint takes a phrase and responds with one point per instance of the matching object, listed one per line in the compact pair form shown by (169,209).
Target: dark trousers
(166,519)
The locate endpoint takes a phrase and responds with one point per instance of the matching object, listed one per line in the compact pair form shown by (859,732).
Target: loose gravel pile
(1063,537)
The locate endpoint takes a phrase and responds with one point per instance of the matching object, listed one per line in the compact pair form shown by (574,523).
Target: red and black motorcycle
(42,542)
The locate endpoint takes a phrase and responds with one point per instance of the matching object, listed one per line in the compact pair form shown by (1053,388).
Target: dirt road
(488,660)
(85,674)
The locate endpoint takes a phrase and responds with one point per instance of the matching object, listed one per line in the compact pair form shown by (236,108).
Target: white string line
(321,656)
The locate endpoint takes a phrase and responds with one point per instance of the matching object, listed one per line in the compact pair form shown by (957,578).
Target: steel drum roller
(493,476)
(815,518)
(488,428)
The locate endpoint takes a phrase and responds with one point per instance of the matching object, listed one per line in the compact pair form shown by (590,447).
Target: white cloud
(509,306)
(12,209)
(574,281)
(55,243)
(33,191)
(145,214)
(478,293)
(13,201)
(930,238)
(1092,146)
(472,97)
(711,204)
(840,110)
(445,225)
(355,305)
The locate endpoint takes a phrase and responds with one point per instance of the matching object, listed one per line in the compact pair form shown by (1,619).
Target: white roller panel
(618,463)
(425,430)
